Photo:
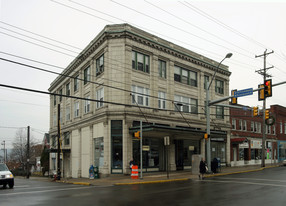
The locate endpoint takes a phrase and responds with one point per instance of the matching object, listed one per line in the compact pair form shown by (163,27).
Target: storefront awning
(161,131)
(238,140)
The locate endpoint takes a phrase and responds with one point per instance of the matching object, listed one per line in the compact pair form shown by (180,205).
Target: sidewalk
(160,177)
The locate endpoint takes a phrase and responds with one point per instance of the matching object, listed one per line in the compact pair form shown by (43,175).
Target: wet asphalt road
(266,187)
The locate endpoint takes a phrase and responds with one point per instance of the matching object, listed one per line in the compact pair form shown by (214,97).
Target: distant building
(246,136)
(134,75)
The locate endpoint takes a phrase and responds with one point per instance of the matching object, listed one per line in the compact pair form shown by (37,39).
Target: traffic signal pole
(264,74)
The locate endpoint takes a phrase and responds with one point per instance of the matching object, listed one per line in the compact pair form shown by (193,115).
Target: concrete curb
(152,182)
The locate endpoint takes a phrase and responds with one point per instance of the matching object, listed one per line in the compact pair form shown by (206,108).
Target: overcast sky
(54,32)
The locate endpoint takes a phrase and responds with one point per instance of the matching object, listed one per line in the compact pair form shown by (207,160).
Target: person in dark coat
(203,169)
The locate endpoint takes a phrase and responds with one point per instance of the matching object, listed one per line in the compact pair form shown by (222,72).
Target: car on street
(284,162)
(6,177)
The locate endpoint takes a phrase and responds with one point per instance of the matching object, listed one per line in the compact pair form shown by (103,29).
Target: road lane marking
(54,190)
(269,180)
(240,182)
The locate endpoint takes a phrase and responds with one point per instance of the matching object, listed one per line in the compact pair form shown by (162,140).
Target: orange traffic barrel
(134,172)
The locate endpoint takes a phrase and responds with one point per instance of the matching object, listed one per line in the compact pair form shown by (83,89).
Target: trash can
(96,172)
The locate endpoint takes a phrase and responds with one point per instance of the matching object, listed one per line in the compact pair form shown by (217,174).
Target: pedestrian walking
(203,169)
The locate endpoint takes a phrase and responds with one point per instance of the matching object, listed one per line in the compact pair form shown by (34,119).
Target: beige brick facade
(117,44)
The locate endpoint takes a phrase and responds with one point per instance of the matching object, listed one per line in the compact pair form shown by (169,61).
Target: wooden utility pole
(263,72)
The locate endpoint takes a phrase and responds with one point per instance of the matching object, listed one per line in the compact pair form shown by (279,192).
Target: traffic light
(206,135)
(137,134)
(255,111)
(266,114)
(261,95)
(268,88)
(233,99)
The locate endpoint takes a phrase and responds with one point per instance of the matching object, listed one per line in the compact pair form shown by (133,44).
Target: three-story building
(124,76)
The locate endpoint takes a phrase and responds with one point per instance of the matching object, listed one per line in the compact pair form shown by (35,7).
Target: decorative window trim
(100,65)
(140,62)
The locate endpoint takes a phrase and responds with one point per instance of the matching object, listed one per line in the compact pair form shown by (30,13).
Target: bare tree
(19,150)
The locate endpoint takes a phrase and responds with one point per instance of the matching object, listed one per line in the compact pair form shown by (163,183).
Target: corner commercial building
(148,79)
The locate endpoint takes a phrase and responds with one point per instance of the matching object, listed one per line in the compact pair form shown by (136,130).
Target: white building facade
(124,76)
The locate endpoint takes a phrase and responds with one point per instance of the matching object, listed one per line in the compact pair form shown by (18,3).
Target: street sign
(244,92)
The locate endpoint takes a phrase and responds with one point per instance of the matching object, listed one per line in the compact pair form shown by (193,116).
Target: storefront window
(218,151)
(98,151)
(116,141)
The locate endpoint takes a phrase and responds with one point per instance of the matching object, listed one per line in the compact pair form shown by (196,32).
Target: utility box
(196,164)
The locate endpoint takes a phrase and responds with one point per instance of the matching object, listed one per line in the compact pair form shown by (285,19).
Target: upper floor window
(281,128)
(219,112)
(244,125)
(140,95)
(186,104)
(162,69)
(76,109)
(67,138)
(185,76)
(61,93)
(87,105)
(284,128)
(140,62)
(274,129)
(68,89)
(233,122)
(100,65)
(219,86)
(55,100)
(86,77)
(206,79)
(252,126)
(240,124)
(161,100)
(100,97)
(76,83)
(68,113)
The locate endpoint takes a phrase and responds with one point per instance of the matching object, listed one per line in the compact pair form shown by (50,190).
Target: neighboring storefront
(281,150)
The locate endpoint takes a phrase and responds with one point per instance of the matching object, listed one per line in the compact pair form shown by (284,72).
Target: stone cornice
(126,31)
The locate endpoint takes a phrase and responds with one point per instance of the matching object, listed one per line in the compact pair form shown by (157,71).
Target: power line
(40,35)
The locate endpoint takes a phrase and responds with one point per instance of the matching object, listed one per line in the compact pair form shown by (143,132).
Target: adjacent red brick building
(246,137)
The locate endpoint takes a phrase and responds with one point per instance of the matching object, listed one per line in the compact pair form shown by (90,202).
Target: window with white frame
(240,124)
(281,128)
(219,112)
(273,129)
(140,62)
(255,127)
(87,104)
(100,65)
(259,128)
(161,100)
(268,129)
(233,123)
(244,125)
(76,83)
(284,128)
(219,86)
(162,69)
(55,119)
(100,97)
(68,113)
(185,104)
(252,126)
(86,75)
(76,109)
(140,95)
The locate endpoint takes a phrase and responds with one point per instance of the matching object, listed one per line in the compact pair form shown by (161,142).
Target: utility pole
(59,149)
(4,159)
(28,152)
(264,74)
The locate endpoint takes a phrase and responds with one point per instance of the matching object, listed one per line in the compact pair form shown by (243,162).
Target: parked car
(284,162)
(6,177)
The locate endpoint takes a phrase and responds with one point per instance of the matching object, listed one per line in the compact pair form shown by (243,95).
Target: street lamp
(208,85)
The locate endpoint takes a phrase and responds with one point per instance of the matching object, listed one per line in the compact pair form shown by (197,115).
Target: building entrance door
(179,154)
